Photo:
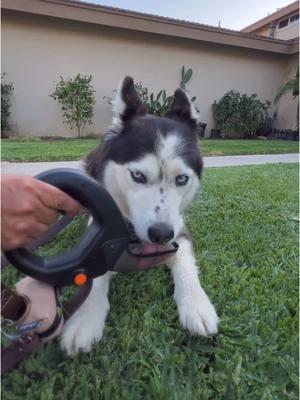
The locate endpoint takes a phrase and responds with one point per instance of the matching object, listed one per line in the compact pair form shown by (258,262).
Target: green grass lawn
(246,242)
(236,147)
(17,150)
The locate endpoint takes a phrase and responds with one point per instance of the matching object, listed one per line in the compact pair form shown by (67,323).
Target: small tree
(77,100)
(6,91)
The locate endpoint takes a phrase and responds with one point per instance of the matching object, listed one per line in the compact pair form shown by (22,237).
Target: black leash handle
(52,232)
(98,249)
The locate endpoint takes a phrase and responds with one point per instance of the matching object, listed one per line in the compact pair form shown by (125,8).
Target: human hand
(28,208)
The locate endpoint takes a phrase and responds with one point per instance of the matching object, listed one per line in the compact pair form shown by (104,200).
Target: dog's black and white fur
(152,167)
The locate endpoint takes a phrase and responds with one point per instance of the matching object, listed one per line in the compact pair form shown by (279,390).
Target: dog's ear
(183,109)
(127,103)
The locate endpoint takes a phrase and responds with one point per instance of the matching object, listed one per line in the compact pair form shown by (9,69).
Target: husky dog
(152,167)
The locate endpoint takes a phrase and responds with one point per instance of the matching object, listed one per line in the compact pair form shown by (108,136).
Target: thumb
(54,198)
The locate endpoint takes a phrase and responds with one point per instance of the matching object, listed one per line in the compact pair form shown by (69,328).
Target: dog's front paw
(82,331)
(197,314)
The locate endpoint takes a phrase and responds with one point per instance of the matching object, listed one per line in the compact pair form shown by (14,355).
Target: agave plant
(292,85)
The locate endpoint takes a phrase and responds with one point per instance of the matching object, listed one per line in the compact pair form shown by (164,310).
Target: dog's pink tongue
(151,248)
(152,251)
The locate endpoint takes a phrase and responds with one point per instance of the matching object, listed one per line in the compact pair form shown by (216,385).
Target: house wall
(289,32)
(36,50)
(263,31)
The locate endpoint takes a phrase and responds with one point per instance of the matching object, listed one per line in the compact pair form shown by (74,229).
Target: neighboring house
(282,24)
(43,39)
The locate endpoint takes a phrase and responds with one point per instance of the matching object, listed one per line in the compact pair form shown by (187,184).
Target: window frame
(285,26)
(289,22)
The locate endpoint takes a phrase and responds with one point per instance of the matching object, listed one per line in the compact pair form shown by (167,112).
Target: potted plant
(201,129)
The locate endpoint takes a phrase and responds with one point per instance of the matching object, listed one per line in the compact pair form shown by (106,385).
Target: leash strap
(18,350)
(72,305)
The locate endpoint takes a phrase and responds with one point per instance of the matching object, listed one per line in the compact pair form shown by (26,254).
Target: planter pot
(279,134)
(293,135)
(284,134)
(201,129)
(215,134)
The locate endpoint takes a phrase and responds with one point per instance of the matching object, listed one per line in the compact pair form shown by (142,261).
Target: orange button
(80,279)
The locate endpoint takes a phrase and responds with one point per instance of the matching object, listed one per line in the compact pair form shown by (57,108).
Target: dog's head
(150,165)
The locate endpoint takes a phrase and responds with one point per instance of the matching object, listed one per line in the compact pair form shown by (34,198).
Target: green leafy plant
(159,103)
(77,100)
(240,115)
(292,85)
(6,92)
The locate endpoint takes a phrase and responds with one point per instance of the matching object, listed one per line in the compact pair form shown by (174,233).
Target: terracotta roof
(136,21)
(282,12)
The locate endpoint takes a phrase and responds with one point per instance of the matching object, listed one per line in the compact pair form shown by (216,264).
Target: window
(283,23)
(287,21)
(294,18)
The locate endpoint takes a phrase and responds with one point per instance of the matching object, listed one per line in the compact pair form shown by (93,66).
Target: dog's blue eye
(181,180)
(138,177)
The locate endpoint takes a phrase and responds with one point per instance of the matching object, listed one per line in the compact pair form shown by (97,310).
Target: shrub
(77,100)
(240,115)
(6,91)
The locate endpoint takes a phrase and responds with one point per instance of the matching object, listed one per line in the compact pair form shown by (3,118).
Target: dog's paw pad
(198,315)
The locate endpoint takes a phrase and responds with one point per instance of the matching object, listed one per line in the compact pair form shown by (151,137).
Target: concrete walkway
(232,161)
(222,161)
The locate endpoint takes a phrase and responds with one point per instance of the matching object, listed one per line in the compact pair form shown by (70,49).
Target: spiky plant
(292,85)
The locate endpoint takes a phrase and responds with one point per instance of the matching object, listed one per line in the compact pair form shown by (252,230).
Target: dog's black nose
(160,233)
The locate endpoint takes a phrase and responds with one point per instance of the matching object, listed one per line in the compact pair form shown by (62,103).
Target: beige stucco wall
(36,50)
